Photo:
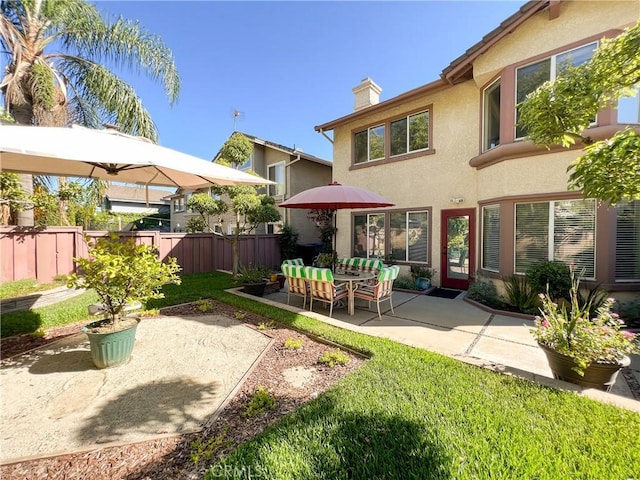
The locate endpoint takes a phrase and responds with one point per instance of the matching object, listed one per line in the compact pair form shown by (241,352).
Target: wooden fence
(43,253)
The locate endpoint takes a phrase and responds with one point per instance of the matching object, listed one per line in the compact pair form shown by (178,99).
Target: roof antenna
(237,115)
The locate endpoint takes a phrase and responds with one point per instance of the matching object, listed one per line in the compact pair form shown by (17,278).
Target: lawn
(408,413)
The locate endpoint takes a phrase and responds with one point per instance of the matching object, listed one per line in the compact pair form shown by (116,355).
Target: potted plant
(327,260)
(121,273)
(254,279)
(421,275)
(581,349)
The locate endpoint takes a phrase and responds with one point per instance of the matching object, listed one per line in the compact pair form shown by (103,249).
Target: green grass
(27,286)
(62,313)
(408,413)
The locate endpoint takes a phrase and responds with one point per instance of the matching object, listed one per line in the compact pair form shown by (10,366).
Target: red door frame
(444,216)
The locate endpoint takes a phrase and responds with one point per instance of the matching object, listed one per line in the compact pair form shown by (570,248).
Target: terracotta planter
(601,376)
(113,348)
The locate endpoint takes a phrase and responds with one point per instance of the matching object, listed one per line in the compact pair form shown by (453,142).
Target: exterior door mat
(444,293)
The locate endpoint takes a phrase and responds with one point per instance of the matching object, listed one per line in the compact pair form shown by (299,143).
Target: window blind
(491,237)
(628,241)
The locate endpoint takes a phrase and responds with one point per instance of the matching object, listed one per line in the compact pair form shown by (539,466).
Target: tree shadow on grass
(171,406)
(321,441)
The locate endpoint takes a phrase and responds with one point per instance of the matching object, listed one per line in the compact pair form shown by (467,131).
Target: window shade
(532,235)
(628,241)
(574,235)
(491,237)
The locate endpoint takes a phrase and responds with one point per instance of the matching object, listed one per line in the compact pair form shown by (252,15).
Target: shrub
(335,357)
(520,294)
(483,291)
(421,271)
(553,278)
(288,242)
(260,402)
(293,343)
(206,448)
(629,312)
(406,283)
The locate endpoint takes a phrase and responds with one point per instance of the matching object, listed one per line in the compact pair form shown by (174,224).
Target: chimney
(366,94)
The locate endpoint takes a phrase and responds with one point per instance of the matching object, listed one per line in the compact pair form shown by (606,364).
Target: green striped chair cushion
(296,271)
(387,274)
(320,274)
(371,264)
(295,261)
(349,263)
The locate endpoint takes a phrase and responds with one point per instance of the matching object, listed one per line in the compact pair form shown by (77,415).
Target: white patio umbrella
(109,155)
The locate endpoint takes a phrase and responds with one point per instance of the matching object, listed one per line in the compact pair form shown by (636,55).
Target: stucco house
(126,199)
(293,171)
(471,194)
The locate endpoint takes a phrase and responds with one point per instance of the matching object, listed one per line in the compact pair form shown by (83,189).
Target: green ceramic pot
(112,348)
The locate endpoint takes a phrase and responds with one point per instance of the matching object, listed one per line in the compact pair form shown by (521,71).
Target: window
(629,108)
(368,235)
(405,240)
(628,241)
(276,174)
(491,116)
(248,165)
(179,204)
(408,236)
(410,134)
(530,77)
(369,144)
(491,238)
(559,230)
(273,228)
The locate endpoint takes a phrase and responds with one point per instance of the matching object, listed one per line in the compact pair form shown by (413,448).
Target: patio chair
(348,264)
(323,288)
(370,265)
(298,285)
(382,290)
(295,261)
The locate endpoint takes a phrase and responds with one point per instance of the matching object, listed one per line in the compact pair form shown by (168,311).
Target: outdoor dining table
(352,279)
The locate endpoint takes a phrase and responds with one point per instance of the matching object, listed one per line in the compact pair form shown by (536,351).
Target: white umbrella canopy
(109,155)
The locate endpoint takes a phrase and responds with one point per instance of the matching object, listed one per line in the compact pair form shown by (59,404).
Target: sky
(289,66)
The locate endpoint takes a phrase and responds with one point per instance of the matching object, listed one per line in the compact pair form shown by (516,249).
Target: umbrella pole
(335,231)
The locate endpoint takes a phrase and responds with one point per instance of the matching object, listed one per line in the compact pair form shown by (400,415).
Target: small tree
(122,272)
(249,207)
(207,207)
(558,112)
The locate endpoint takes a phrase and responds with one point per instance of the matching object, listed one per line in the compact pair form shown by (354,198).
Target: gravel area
(293,377)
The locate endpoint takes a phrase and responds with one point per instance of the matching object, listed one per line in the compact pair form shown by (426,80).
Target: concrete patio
(463,331)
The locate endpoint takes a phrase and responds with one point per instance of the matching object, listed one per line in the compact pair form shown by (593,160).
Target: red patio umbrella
(336,197)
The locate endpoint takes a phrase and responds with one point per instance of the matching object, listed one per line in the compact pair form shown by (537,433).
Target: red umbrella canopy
(335,197)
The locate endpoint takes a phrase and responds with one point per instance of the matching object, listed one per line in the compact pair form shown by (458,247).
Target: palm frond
(106,96)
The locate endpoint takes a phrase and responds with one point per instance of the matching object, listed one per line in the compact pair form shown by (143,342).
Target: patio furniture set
(367,279)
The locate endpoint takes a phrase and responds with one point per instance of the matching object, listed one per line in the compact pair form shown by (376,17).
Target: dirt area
(292,376)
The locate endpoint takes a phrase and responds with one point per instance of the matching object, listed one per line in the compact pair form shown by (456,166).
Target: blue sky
(288,66)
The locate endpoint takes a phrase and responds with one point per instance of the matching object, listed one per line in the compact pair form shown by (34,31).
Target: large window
(408,236)
(369,235)
(530,77)
(629,108)
(400,236)
(559,230)
(276,174)
(179,204)
(410,134)
(491,238)
(628,241)
(491,116)
(369,144)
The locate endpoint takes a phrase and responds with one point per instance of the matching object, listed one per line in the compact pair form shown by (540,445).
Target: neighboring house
(470,193)
(123,199)
(291,169)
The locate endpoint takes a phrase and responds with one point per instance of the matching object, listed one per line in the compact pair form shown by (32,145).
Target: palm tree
(56,73)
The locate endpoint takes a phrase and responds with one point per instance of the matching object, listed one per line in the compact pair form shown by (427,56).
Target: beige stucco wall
(425,181)
(301,176)
(538,35)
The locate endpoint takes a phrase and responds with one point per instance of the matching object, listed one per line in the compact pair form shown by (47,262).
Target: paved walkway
(461,330)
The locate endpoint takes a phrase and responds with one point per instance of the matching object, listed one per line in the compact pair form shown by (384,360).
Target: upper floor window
(530,77)
(410,133)
(247,165)
(179,204)
(629,108)
(369,144)
(491,116)
(276,174)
